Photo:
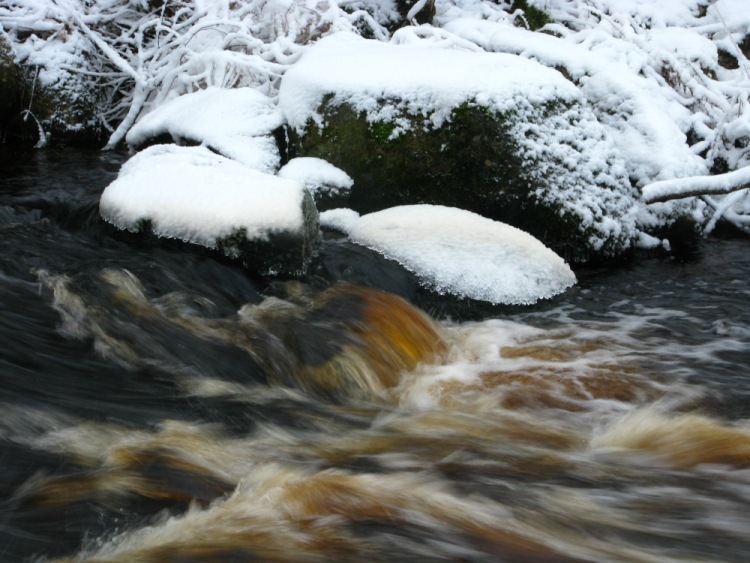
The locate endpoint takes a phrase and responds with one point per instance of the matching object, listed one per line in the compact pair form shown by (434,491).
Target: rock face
(41,100)
(198,197)
(8,83)
(491,133)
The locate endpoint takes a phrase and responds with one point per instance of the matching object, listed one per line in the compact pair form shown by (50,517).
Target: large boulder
(196,196)
(492,133)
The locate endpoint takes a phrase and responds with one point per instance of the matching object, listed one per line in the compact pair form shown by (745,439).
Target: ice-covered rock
(328,185)
(458,252)
(493,133)
(192,194)
(237,123)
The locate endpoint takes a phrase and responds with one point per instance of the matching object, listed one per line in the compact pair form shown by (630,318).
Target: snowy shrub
(139,54)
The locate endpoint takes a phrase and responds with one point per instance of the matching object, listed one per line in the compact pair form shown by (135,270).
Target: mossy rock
(64,112)
(488,162)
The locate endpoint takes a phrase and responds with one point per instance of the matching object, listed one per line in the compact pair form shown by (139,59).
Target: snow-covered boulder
(194,195)
(328,185)
(647,122)
(493,133)
(460,253)
(237,123)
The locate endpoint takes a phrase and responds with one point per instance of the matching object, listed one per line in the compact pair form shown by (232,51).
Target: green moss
(456,164)
(382,131)
(534,17)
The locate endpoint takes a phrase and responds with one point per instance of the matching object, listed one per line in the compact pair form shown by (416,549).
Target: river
(159,404)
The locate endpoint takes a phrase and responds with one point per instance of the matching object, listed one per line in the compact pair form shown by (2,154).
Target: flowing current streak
(541,438)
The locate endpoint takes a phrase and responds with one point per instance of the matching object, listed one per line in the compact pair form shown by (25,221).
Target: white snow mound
(317,175)
(341,219)
(234,122)
(197,196)
(464,254)
(373,76)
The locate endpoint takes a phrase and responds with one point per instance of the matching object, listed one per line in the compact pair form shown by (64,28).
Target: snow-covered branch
(679,188)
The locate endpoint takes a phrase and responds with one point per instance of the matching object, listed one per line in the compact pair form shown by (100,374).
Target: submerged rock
(492,133)
(194,195)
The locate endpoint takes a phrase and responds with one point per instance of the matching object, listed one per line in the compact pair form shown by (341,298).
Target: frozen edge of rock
(199,197)
(459,252)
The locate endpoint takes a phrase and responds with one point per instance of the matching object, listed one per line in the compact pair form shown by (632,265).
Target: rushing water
(157,404)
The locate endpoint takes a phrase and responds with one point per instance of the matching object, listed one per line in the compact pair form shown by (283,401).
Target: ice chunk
(459,252)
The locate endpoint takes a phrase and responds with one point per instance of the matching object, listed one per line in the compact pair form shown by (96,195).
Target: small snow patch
(317,175)
(343,220)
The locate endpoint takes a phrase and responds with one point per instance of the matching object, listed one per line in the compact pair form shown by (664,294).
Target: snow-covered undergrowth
(669,80)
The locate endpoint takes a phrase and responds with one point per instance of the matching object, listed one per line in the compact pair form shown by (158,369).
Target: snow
(342,220)
(647,126)
(685,187)
(422,79)
(192,194)
(461,253)
(317,175)
(236,123)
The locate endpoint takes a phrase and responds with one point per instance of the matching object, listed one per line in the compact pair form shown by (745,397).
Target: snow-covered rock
(328,185)
(461,253)
(493,133)
(646,121)
(237,123)
(192,194)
